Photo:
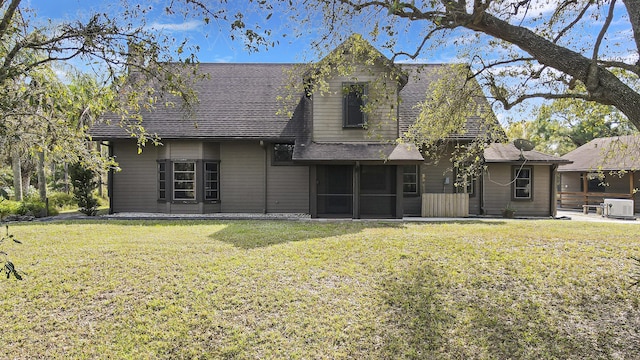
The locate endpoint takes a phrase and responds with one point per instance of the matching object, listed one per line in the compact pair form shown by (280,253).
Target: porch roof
(356,152)
(606,154)
(505,153)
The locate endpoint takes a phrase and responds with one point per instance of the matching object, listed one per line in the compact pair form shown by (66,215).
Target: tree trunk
(66,178)
(17,175)
(42,179)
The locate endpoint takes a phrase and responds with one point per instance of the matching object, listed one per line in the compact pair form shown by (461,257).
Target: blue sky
(217,46)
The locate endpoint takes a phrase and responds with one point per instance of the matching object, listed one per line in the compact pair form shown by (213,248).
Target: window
(465,183)
(162,180)
(211,181)
(522,183)
(465,186)
(282,153)
(410,180)
(184,180)
(354,95)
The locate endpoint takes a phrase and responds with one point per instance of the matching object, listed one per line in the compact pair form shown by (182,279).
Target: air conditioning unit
(619,208)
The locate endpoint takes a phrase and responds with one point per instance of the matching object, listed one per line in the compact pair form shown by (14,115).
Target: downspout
(553,191)
(482,209)
(266,177)
(110,179)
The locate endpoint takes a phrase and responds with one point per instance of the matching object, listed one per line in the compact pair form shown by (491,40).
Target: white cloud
(185,26)
(222,59)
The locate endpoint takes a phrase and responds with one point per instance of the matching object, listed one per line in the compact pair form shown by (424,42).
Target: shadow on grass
(256,234)
(425,318)
(416,321)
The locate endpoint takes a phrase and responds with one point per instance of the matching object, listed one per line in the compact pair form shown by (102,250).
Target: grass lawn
(322,290)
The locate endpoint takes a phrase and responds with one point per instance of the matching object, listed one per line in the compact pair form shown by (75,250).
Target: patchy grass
(311,290)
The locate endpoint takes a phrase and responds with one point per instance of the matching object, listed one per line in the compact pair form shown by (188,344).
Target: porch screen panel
(335,190)
(378,191)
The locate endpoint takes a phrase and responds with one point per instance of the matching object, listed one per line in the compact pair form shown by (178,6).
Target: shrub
(9,207)
(61,200)
(31,208)
(84,182)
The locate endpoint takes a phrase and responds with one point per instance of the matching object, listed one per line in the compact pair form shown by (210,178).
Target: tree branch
(603,31)
(548,96)
(7,17)
(573,23)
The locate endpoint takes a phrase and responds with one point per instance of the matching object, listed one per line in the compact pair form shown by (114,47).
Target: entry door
(335,190)
(378,191)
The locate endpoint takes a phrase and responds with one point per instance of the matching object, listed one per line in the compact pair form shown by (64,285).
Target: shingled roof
(607,154)
(239,101)
(356,152)
(508,153)
(420,77)
(236,101)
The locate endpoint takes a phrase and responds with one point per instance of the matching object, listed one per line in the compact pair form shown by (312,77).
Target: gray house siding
(242,174)
(327,114)
(287,188)
(242,178)
(498,191)
(136,184)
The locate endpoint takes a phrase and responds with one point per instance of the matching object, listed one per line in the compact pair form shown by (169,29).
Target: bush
(60,200)
(84,182)
(9,207)
(31,208)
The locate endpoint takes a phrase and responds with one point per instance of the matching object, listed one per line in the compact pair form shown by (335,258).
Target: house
(328,158)
(602,168)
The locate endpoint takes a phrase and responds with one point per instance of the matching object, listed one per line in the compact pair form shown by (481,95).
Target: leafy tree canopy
(566,124)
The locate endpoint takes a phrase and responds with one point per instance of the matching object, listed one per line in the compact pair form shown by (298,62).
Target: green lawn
(322,290)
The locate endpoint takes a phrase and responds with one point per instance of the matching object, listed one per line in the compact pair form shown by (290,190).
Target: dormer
(354,94)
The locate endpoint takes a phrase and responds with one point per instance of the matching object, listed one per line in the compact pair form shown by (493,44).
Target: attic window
(354,95)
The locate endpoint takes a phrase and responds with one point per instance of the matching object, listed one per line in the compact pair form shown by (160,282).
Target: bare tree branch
(548,96)
(603,31)
(573,23)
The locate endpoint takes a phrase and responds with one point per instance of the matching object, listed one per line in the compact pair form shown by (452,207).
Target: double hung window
(522,183)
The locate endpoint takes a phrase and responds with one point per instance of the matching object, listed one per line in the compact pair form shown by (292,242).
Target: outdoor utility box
(619,208)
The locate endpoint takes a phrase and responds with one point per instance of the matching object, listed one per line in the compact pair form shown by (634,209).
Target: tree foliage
(566,124)
(136,60)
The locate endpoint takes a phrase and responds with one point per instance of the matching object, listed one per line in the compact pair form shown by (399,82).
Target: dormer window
(354,100)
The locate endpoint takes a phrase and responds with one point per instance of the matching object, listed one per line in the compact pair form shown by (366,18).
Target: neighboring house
(329,159)
(601,168)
